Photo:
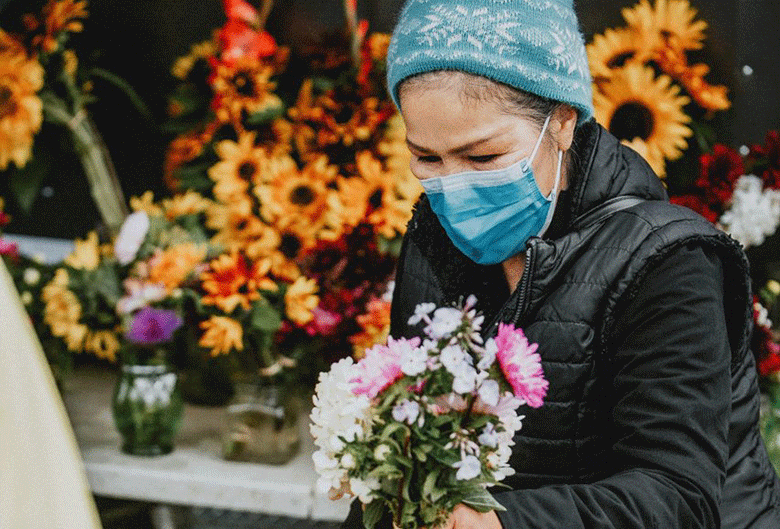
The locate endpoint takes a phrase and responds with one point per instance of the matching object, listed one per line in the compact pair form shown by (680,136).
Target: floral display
(645,91)
(418,426)
(41,80)
(310,187)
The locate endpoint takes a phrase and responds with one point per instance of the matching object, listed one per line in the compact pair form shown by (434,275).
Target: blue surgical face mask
(490,215)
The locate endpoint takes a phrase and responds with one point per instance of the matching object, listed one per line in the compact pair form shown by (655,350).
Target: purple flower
(153,326)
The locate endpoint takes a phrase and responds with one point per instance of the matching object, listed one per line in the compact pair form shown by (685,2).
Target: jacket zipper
(522,292)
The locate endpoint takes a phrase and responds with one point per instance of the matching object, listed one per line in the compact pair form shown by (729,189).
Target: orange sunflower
(146,203)
(297,200)
(21,110)
(172,266)
(198,52)
(102,343)
(241,165)
(86,253)
(244,87)
(710,97)
(300,300)
(389,204)
(62,311)
(232,281)
(188,203)
(635,103)
(59,16)
(221,335)
(671,20)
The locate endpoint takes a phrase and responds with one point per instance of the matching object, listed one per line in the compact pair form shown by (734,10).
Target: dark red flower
(768,365)
(697,204)
(719,170)
(769,158)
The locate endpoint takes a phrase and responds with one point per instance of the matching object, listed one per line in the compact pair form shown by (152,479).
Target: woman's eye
(483,158)
(428,159)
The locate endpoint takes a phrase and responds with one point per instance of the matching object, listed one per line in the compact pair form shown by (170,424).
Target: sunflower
(375,327)
(244,87)
(86,254)
(232,281)
(636,104)
(710,97)
(188,203)
(103,344)
(654,159)
(671,20)
(21,110)
(146,203)
(300,300)
(172,266)
(221,335)
(298,199)
(62,311)
(244,164)
(389,205)
(198,52)
(60,15)
(615,47)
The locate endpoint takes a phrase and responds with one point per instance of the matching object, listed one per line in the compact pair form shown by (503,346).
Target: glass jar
(147,408)
(261,424)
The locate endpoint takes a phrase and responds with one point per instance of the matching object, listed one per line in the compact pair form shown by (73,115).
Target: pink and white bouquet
(421,425)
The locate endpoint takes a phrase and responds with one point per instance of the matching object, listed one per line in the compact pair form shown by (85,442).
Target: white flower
(465,380)
(453,357)
(489,355)
(31,276)
(468,468)
(348,461)
(131,237)
(489,436)
(26,297)
(489,392)
(414,360)
(388,295)
(754,213)
(445,321)
(363,488)
(406,411)
(421,312)
(381,451)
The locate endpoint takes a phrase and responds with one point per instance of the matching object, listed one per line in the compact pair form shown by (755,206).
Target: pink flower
(381,367)
(521,365)
(8,248)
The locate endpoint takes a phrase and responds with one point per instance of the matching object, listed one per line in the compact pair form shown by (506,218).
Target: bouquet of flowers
(310,175)
(421,425)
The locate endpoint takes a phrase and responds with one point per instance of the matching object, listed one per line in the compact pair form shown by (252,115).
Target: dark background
(140,39)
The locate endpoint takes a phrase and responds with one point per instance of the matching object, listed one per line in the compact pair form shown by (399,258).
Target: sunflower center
(619,60)
(244,83)
(375,200)
(247,170)
(343,115)
(7,104)
(302,195)
(290,245)
(632,120)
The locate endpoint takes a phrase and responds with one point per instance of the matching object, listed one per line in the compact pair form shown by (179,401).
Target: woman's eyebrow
(457,150)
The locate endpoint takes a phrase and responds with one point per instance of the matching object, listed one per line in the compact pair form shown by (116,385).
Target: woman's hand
(463,517)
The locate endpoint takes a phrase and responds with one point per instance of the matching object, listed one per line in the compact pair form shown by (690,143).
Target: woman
(641,309)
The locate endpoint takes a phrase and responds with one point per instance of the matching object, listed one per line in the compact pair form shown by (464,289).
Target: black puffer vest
(573,286)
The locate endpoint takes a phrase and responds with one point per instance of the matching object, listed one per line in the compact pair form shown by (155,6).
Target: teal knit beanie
(532,45)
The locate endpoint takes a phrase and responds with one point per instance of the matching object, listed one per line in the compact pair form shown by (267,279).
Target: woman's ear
(565,121)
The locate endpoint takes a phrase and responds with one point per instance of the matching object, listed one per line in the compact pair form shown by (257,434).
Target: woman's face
(449,133)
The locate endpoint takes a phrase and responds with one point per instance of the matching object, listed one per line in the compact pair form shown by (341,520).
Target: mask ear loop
(553,197)
(538,144)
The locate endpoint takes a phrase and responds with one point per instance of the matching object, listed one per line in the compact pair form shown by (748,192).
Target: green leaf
(429,485)
(107,284)
(481,500)
(194,177)
(265,318)
(26,182)
(373,513)
(125,87)
(265,116)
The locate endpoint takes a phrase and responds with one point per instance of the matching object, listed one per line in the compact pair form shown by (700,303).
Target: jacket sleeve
(667,419)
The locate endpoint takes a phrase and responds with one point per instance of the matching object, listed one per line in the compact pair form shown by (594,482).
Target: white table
(194,474)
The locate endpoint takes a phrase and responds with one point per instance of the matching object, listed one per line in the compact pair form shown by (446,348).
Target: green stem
(101,174)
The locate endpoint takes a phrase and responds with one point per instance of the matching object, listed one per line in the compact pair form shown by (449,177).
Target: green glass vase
(147,407)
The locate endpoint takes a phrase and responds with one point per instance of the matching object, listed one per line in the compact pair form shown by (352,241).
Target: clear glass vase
(261,424)
(147,408)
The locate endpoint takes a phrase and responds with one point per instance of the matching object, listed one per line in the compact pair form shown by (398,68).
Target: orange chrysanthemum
(233,281)
(222,335)
(300,300)
(172,266)
(375,325)
(59,16)
(62,311)
(181,150)
(21,110)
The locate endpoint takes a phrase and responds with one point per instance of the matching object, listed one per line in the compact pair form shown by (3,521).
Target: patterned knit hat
(532,45)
